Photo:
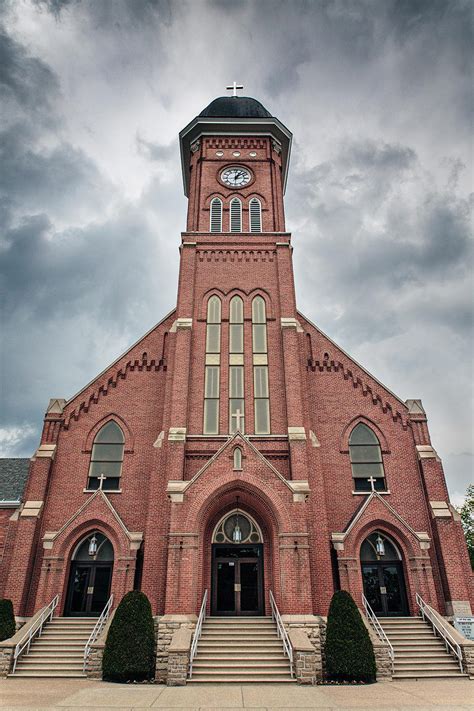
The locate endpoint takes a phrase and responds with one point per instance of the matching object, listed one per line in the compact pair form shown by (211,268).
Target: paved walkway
(82,694)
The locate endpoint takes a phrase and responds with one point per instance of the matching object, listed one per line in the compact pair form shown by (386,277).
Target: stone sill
(106,491)
(366,493)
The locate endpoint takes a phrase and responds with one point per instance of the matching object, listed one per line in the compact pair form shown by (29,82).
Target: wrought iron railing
(281,631)
(373,619)
(197,632)
(98,627)
(429,615)
(35,630)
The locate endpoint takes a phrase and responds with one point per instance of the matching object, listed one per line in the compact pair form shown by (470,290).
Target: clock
(236,177)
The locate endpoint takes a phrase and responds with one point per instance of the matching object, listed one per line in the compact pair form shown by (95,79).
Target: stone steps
(59,652)
(240,650)
(418,652)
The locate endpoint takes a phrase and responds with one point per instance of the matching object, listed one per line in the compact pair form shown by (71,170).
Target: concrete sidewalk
(82,694)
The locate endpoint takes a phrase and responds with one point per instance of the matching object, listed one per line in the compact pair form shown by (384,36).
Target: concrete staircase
(59,652)
(240,649)
(419,654)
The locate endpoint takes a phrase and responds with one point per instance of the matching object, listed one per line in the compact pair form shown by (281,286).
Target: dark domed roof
(235,107)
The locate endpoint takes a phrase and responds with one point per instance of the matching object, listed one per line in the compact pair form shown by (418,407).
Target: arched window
(236,366)
(260,367)
(212,367)
(255,215)
(235,215)
(107,456)
(216,215)
(237,458)
(366,459)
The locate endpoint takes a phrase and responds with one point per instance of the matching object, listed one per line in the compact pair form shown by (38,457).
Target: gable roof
(13,477)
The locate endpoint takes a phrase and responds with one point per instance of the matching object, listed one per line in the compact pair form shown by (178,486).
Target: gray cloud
(379,96)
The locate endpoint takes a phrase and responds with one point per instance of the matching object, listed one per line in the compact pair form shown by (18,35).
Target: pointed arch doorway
(237,567)
(90,576)
(383,576)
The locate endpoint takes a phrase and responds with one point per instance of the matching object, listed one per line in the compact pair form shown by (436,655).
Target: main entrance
(383,577)
(90,577)
(237,567)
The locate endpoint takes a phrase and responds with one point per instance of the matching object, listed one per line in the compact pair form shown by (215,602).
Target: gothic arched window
(216,215)
(107,457)
(235,215)
(237,458)
(212,367)
(366,459)
(236,365)
(260,367)
(255,215)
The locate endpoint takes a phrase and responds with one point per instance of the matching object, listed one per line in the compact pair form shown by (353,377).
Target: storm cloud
(379,98)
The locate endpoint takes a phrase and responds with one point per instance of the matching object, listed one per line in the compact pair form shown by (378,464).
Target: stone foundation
(383,661)
(166,626)
(307,634)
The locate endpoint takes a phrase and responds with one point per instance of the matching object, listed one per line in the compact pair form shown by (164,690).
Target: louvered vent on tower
(235,215)
(255,215)
(216,215)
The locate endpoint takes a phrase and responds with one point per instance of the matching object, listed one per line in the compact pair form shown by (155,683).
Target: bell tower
(235,158)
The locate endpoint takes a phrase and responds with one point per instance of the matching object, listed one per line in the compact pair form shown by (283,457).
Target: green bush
(7,620)
(129,653)
(349,650)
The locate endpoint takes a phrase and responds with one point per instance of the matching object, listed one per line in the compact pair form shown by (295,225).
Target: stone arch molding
(97,512)
(344,445)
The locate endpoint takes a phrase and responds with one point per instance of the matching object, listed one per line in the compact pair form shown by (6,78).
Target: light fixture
(237,533)
(379,545)
(92,550)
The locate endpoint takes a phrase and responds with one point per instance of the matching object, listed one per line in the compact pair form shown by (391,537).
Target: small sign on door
(383,590)
(90,591)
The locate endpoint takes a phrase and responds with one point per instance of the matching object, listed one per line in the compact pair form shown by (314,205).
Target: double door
(384,588)
(237,580)
(89,588)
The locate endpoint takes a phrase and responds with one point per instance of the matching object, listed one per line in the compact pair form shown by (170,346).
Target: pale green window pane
(361,434)
(262,416)
(214,310)
(236,381)
(212,381)
(237,458)
(236,344)
(363,471)
(213,338)
(365,453)
(211,416)
(108,469)
(258,310)
(260,381)
(236,310)
(110,434)
(259,333)
(236,412)
(107,452)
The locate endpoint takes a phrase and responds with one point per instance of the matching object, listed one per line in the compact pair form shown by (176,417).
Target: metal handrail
(34,630)
(429,614)
(98,627)
(373,619)
(281,631)
(197,633)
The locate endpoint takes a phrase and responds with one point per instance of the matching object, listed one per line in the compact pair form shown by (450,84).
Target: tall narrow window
(236,365)
(216,215)
(255,211)
(366,459)
(235,215)
(260,367)
(107,456)
(212,372)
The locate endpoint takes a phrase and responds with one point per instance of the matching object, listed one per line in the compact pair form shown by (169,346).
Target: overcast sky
(378,96)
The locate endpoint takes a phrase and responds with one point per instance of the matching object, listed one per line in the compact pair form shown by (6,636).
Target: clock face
(235,177)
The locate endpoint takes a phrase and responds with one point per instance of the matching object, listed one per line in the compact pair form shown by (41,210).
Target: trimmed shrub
(129,653)
(7,620)
(349,650)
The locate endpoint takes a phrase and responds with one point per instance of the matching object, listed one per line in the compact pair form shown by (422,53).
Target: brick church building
(235,448)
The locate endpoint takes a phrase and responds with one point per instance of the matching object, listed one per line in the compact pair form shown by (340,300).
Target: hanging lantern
(237,533)
(92,550)
(379,545)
